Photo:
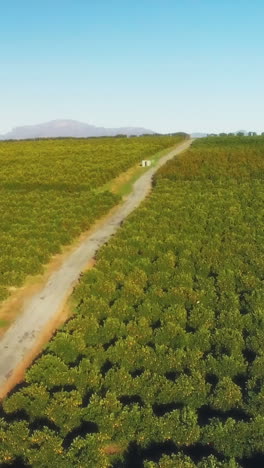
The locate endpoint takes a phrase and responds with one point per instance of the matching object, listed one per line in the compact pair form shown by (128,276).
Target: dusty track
(41,313)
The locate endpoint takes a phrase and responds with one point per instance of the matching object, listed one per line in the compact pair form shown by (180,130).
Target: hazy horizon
(164,65)
(118,127)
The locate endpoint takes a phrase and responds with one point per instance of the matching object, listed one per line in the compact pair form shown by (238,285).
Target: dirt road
(24,335)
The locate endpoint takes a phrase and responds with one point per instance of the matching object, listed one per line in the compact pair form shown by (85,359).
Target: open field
(162,363)
(51,191)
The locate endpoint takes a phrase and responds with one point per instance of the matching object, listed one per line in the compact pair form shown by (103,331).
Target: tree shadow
(206,413)
(257,461)
(17,463)
(39,423)
(162,409)
(131,399)
(87,427)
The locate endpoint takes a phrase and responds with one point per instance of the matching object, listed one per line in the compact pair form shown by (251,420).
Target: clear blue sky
(168,65)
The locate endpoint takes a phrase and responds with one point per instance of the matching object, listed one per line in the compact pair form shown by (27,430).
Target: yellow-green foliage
(162,365)
(49,193)
(219,158)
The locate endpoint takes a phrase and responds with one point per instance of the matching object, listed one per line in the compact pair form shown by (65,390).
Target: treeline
(162,364)
(232,134)
(120,135)
(52,190)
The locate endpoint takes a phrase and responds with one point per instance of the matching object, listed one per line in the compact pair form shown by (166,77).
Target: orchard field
(52,190)
(162,364)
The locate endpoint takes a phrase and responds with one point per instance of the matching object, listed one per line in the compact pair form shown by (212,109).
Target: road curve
(39,310)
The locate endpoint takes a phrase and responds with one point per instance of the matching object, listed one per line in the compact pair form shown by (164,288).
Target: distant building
(145,163)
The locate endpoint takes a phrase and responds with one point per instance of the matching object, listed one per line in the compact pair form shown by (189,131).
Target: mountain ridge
(69,128)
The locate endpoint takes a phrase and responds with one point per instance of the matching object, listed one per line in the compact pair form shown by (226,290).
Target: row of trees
(52,190)
(73,164)
(163,359)
(231,134)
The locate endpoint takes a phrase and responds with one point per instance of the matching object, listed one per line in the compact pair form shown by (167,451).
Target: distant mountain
(69,128)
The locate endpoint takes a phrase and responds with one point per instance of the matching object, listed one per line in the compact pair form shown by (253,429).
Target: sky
(166,65)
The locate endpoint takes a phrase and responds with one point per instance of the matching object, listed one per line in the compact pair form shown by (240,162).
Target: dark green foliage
(163,360)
